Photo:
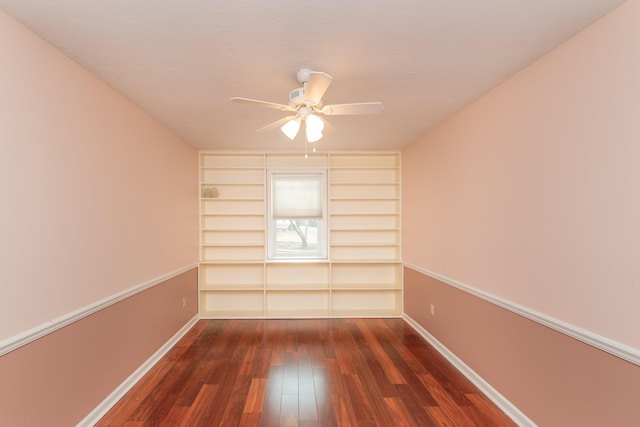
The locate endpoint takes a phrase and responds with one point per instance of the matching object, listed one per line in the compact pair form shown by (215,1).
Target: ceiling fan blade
(317,85)
(350,109)
(275,125)
(266,104)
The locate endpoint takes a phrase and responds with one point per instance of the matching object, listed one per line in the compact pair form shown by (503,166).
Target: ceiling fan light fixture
(313,136)
(291,128)
(315,123)
(314,126)
(306,103)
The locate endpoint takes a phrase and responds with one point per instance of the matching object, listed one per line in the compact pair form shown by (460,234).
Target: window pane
(297,237)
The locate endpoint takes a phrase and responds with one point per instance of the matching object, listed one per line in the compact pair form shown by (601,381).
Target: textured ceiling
(181,60)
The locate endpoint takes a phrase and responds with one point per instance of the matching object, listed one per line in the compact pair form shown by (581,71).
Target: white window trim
(323,237)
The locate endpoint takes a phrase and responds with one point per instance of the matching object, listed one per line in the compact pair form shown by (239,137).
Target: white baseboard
(509,409)
(126,385)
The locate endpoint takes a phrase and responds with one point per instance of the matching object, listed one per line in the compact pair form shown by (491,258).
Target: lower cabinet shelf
(301,290)
(296,303)
(366,303)
(231,303)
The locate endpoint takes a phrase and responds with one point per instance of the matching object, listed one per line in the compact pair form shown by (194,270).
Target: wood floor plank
(304,373)
(374,396)
(175,416)
(289,410)
(307,409)
(445,401)
(400,413)
(273,397)
(395,377)
(414,407)
(235,405)
(357,399)
(345,415)
(255,397)
(440,416)
(484,405)
(200,411)
(324,405)
(250,419)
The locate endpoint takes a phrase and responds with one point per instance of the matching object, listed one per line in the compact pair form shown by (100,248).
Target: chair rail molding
(610,346)
(40,331)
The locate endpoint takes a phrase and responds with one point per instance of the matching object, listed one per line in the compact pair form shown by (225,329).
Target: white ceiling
(181,60)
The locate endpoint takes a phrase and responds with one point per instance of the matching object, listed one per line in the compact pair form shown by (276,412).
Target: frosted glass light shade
(291,128)
(314,127)
(313,136)
(315,124)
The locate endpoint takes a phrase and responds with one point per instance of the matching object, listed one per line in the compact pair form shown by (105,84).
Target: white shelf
(363,278)
(298,288)
(366,261)
(357,313)
(298,313)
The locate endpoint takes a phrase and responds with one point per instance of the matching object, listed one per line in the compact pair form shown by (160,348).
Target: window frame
(322,253)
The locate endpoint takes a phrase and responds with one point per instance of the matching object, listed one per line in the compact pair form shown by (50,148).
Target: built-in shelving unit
(363,273)
(232,239)
(366,273)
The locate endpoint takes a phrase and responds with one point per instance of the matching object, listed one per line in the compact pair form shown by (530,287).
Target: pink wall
(554,380)
(59,379)
(532,192)
(97,196)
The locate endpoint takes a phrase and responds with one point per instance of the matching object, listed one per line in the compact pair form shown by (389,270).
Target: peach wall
(532,193)
(97,196)
(554,380)
(59,379)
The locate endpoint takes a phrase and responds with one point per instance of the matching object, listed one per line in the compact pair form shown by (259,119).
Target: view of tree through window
(296,235)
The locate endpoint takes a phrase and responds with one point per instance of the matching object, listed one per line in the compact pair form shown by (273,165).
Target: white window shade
(296,196)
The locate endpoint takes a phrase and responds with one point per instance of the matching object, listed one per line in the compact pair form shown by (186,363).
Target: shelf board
(365,261)
(300,313)
(298,261)
(360,261)
(383,287)
(297,288)
(366,313)
(231,314)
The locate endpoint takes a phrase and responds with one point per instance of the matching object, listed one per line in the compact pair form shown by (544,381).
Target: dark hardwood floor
(304,372)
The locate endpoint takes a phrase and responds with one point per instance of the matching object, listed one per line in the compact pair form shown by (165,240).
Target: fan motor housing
(296,97)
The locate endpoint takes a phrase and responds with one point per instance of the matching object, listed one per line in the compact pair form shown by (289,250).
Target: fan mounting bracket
(303,75)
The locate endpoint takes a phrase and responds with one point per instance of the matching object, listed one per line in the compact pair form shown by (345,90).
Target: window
(297,211)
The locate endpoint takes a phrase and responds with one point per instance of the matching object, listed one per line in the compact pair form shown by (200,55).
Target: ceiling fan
(306,104)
